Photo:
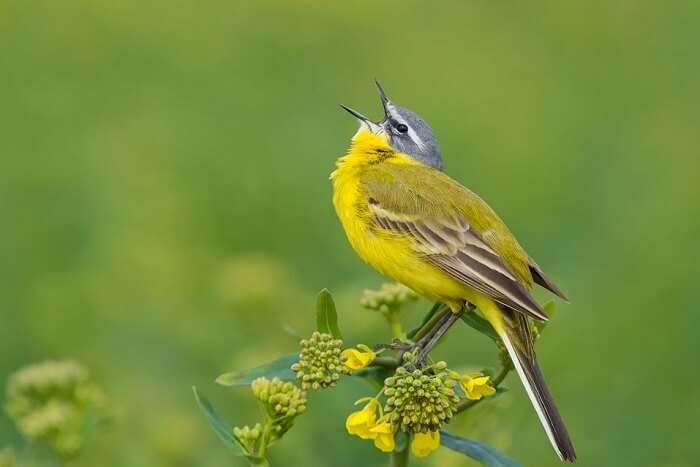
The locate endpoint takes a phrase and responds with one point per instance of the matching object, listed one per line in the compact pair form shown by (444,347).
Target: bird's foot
(395,344)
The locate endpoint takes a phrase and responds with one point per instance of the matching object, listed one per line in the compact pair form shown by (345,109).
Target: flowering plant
(416,399)
(56,408)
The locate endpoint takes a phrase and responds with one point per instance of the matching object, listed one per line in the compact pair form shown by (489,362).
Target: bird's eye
(401,128)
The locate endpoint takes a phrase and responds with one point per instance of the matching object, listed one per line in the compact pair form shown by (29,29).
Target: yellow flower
(476,385)
(384,440)
(360,423)
(425,443)
(357,359)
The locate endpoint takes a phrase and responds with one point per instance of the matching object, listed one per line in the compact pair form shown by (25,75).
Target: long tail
(514,330)
(525,363)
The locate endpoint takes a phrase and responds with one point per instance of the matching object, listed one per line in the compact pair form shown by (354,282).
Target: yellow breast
(388,253)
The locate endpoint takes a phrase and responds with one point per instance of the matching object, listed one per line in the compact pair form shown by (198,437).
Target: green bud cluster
(421,400)
(283,401)
(320,362)
(50,402)
(247,436)
(388,298)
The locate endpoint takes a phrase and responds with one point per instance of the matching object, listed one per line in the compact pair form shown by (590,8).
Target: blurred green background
(165,205)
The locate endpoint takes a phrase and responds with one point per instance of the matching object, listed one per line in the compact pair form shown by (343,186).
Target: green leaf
(549,308)
(222,430)
(480,324)
(480,452)
(426,318)
(280,368)
(326,316)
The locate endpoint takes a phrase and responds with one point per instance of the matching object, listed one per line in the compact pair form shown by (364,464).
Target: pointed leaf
(222,430)
(480,452)
(326,316)
(280,368)
(480,324)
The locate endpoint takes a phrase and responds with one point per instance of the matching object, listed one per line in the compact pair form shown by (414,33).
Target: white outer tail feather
(530,393)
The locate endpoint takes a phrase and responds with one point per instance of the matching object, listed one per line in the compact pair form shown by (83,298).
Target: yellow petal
(425,443)
(468,388)
(361,422)
(364,432)
(356,419)
(384,440)
(480,381)
(383,428)
(470,385)
(356,359)
(385,443)
(475,385)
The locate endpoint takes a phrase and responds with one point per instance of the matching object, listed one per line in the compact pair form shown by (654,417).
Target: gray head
(405,131)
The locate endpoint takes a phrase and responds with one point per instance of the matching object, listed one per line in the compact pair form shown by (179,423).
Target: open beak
(355,114)
(373,127)
(382,96)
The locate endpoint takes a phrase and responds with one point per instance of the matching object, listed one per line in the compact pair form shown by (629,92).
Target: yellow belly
(393,255)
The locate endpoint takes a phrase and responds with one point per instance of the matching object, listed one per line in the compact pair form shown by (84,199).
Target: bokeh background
(165,205)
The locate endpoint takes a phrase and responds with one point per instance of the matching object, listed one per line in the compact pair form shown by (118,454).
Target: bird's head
(404,130)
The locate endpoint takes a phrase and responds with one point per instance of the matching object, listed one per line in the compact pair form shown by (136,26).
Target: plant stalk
(399,459)
(392,317)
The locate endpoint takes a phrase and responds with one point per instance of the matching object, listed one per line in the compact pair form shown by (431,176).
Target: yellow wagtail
(413,223)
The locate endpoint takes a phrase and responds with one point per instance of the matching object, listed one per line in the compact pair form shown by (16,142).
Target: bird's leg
(431,328)
(445,324)
(422,336)
(431,324)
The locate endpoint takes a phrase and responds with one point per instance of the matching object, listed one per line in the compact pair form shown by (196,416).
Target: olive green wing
(453,229)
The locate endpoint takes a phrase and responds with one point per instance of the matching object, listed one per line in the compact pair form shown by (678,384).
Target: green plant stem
(399,459)
(465,404)
(392,317)
(267,432)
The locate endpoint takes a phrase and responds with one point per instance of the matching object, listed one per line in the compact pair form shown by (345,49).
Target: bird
(404,216)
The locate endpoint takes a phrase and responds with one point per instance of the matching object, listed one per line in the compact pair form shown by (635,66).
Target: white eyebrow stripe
(416,139)
(391,108)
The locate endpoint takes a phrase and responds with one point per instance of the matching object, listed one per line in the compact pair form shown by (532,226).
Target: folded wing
(447,241)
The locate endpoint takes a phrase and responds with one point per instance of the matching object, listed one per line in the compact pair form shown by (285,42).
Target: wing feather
(449,243)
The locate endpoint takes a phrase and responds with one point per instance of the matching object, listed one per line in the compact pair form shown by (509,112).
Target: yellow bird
(413,223)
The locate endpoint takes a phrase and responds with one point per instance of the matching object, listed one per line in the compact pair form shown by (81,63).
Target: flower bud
(420,401)
(53,402)
(320,361)
(389,298)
